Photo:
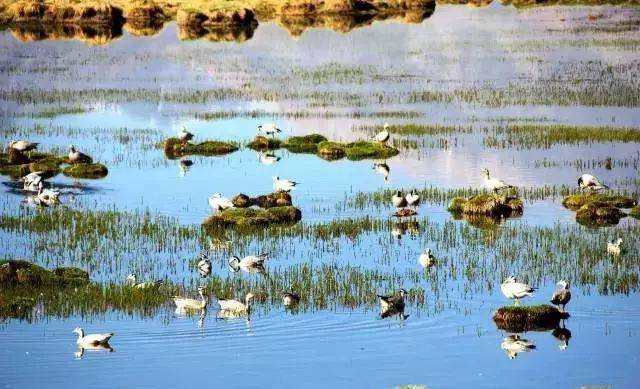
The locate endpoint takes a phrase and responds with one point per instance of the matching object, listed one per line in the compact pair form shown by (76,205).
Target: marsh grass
(51,113)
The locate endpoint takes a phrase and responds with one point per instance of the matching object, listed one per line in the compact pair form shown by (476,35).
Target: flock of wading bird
(390,305)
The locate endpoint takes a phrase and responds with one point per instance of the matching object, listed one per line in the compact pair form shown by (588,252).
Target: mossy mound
(635,212)
(330,150)
(527,318)
(16,272)
(252,217)
(276,199)
(493,205)
(365,149)
(86,170)
(304,144)
(17,164)
(49,166)
(174,148)
(597,214)
(263,143)
(574,202)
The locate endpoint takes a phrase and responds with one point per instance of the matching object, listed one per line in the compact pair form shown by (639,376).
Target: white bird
(133,282)
(588,181)
(87,341)
(184,135)
(268,129)
(515,290)
(204,266)
(427,259)
(383,136)
(413,199)
(290,299)
(184,303)
(219,203)
(31,182)
(235,306)
(614,247)
(382,168)
(249,263)
(493,183)
(398,200)
(514,345)
(23,145)
(48,196)
(561,295)
(268,158)
(283,184)
(77,157)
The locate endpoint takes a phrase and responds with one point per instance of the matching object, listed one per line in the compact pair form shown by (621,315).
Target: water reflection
(79,354)
(514,345)
(95,35)
(562,334)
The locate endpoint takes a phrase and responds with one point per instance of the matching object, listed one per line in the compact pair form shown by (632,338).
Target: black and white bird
(382,168)
(514,345)
(31,182)
(89,340)
(250,263)
(383,136)
(398,200)
(591,182)
(204,265)
(23,145)
(132,280)
(184,135)
(562,334)
(283,184)
(47,196)
(427,259)
(413,199)
(268,129)
(290,299)
(76,156)
(515,290)
(392,304)
(219,203)
(561,295)
(614,247)
(493,183)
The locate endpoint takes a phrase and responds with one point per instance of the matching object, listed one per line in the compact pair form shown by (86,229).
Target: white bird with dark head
(382,168)
(614,247)
(186,303)
(76,156)
(132,280)
(383,136)
(515,290)
(283,184)
(184,135)
(91,339)
(561,295)
(268,129)
(398,200)
(413,198)
(204,265)
(250,263)
(23,145)
(514,345)
(427,259)
(268,158)
(31,182)
(591,182)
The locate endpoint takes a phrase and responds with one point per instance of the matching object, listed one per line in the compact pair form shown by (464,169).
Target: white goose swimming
(77,157)
(382,168)
(48,196)
(283,184)
(204,266)
(413,199)
(132,280)
(515,290)
(427,259)
(383,136)
(268,129)
(398,200)
(493,183)
(185,303)
(219,203)
(32,181)
(249,263)
(588,181)
(184,135)
(614,247)
(514,345)
(235,306)
(268,158)
(87,341)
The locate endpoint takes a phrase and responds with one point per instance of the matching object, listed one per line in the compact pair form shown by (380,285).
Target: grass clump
(493,205)
(599,214)
(174,148)
(276,199)
(355,150)
(252,217)
(635,212)
(526,318)
(264,143)
(18,272)
(576,201)
(51,113)
(86,170)
(304,144)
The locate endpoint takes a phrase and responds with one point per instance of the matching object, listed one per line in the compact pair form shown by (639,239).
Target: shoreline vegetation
(99,22)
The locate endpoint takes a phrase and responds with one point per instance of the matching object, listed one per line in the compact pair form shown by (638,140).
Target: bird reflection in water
(514,345)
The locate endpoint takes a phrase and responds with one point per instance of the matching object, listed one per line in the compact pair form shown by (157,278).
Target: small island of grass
(253,217)
(527,318)
(86,170)
(174,147)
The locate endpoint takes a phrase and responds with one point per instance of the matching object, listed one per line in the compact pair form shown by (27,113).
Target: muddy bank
(528,318)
